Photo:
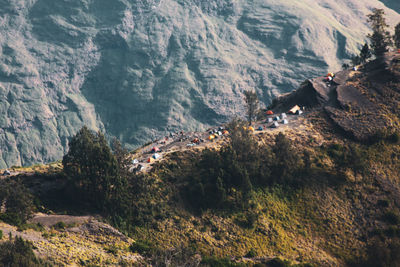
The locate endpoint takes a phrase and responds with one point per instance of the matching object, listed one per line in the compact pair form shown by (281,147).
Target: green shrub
(277,262)
(391,217)
(17,252)
(382,253)
(112,249)
(247,220)
(252,253)
(1,234)
(220,262)
(60,226)
(35,226)
(142,247)
(18,202)
(383,203)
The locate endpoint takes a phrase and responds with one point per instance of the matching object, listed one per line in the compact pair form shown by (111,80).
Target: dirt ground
(183,141)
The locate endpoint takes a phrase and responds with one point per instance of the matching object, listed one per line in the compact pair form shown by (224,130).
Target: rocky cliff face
(138,69)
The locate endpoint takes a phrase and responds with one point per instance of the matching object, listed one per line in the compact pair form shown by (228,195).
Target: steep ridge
(139,69)
(361,103)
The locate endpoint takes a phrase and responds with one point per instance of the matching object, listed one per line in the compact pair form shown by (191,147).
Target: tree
(380,37)
(287,160)
(365,53)
(17,252)
(355,60)
(17,201)
(251,100)
(122,156)
(92,168)
(396,36)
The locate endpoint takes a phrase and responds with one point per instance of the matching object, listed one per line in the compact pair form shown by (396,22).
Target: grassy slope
(327,223)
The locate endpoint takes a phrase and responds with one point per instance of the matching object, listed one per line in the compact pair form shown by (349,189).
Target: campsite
(143,158)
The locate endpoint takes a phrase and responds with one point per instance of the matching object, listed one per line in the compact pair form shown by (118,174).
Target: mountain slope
(138,69)
(337,202)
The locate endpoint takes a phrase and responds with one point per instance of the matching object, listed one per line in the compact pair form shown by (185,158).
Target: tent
(270,112)
(156,156)
(225,132)
(275,125)
(135,161)
(155,149)
(260,128)
(285,121)
(251,129)
(269,120)
(277,118)
(330,74)
(150,160)
(294,109)
(299,112)
(211,137)
(283,115)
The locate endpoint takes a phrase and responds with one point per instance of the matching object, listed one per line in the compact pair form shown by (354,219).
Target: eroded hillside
(137,69)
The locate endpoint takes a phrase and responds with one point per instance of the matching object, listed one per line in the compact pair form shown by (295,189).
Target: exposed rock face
(361,104)
(137,69)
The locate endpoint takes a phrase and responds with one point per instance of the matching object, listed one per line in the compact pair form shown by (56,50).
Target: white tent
(294,109)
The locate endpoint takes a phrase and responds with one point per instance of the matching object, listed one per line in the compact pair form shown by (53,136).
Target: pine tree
(356,60)
(380,37)
(365,53)
(92,167)
(251,100)
(287,161)
(396,36)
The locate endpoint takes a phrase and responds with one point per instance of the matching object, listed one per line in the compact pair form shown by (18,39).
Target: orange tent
(251,129)
(330,74)
(150,160)
(225,132)
(270,112)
